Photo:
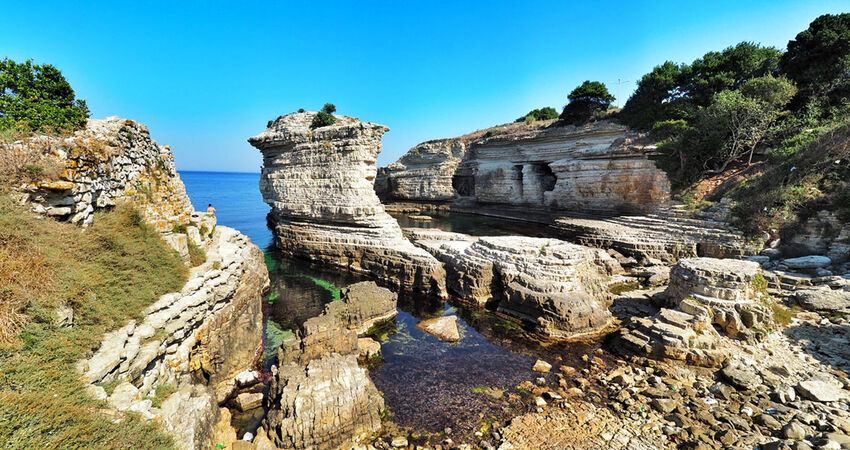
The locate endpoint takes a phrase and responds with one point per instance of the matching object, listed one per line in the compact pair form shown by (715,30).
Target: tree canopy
(37,97)
(586,100)
(545,113)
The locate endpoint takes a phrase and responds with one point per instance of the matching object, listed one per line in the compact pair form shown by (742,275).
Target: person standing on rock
(210,209)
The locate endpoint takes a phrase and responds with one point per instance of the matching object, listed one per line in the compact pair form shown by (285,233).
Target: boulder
(444,327)
(821,388)
(368,348)
(741,377)
(362,305)
(808,262)
(249,400)
(823,299)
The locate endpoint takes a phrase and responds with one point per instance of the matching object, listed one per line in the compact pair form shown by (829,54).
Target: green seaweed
(275,335)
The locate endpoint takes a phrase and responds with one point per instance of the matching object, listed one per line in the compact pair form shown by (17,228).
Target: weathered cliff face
(319,184)
(194,341)
(592,168)
(557,286)
(112,160)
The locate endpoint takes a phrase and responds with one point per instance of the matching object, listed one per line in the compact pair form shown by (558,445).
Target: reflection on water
(472,224)
(428,384)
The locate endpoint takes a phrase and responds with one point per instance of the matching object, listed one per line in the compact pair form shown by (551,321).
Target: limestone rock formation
(595,167)
(558,286)
(319,183)
(111,160)
(327,404)
(666,235)
(335,330)
(444,327)
(210,330)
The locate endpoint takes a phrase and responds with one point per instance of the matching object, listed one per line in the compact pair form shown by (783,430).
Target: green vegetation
(546,113)
(162,392)
(324,117)
(587,100)
(746,105)
(37,98)
(108,274)
(197,255)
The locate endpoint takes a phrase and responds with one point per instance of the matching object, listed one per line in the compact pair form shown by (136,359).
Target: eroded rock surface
(558,286)
(594,167)
(319,185)
(325,405)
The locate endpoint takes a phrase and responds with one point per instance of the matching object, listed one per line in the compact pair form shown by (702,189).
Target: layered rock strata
(558,286)
(197,339)
(327,404)
(597,167)
(319,397)
(111,160)
(319,185)
(666,235)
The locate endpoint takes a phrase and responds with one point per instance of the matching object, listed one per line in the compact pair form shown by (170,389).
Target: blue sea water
(236,198)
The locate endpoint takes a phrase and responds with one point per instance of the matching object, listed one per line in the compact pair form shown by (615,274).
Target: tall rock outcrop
(319,183)
(596,167)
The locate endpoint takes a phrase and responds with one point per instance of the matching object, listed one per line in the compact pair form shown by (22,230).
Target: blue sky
(204,76)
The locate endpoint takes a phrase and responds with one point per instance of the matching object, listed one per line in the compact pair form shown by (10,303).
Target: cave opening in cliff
(464,185)
(545,176)
(517,179)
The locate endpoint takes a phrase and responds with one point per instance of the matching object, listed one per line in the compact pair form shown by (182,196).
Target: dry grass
(28,160)
(108,274)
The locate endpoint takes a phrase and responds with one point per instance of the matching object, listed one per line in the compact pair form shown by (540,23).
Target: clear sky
(204,76)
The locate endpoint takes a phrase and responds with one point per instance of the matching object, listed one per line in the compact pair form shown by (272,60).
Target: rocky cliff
(597,167)
(190,343)
(319,183)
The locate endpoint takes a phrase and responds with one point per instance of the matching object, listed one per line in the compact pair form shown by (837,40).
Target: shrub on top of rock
(590,98)
(324,117)
(545,113)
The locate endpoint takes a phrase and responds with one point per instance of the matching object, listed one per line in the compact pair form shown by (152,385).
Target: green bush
(546,113)
(37,98)
(329,108)
(585,101)
(322,119)
(197,255)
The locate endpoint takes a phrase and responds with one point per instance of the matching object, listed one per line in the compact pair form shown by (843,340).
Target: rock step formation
(210,330)
(319,183)
(327,404)
(595,167)
(666,235)
(558,286)
(319,397)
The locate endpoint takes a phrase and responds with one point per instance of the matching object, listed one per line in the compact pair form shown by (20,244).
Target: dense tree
(329,108)
(37,97)
(818,58)
(546,113)
(651,100)
(586,100)
(728,69)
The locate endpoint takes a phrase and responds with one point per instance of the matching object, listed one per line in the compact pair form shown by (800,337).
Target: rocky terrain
(319,184)
(598,167)
(189,347)
(559,287)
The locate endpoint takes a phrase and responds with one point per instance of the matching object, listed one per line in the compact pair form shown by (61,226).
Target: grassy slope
(808,173)
(108,273)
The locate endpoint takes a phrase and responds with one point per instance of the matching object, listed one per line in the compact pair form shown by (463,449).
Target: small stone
(248,400)
(399,442)
(794,431)
(444,327)
(539,402)
(542,366)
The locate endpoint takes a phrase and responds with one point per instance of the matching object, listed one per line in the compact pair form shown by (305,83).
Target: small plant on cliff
(586,100)
(546,113)
(324,117)
(197,255)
